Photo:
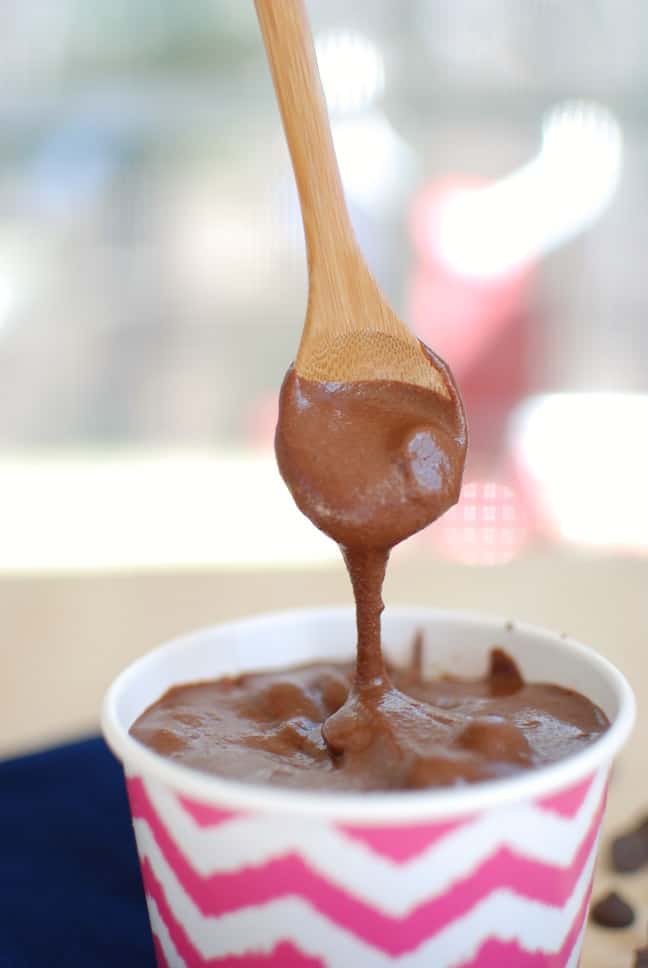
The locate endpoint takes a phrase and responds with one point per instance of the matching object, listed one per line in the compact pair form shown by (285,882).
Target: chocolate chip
(505,677)
(641,958)
(630,852)
(612,912)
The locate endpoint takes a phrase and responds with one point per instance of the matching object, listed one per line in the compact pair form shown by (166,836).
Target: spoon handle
(291,54)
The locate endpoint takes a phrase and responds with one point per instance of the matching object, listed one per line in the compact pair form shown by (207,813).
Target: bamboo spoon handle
(350,331)
(290,50)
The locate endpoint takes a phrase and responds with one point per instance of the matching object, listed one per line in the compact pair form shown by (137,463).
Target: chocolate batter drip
(367,572)
(370,463)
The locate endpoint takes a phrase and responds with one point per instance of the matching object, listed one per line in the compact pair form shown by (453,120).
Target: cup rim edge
(374,808)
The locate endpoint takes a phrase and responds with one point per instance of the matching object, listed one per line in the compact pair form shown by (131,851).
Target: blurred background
(152,291)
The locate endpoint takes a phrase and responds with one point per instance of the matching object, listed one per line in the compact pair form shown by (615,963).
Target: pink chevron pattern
(412,841)
(567,802)
(220,896)
(204,815)
(284,955)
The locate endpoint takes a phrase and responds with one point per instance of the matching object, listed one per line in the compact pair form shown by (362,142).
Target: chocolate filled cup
(494,873)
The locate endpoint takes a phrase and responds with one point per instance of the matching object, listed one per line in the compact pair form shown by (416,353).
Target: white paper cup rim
(374,807)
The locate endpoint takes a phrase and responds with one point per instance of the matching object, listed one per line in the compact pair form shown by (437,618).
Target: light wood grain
(350,331)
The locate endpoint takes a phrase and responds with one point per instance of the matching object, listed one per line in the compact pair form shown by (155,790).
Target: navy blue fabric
(70,889)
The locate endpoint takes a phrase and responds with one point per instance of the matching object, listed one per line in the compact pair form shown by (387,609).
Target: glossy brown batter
(267,728)
(370,463)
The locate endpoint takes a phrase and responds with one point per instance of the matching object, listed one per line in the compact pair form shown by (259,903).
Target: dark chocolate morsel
(641,958)
(612,912)
(505,675)
(630,852)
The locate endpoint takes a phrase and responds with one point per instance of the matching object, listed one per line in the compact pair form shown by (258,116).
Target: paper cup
(494,875)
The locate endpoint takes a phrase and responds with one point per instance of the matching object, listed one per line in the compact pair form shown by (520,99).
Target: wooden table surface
(64,639)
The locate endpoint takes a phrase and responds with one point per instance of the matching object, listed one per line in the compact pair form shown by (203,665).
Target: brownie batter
(370,463)
(266,728)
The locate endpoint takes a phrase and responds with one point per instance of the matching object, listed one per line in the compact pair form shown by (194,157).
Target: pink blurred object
(261,421)
(458,313)
(481,326)
(489,526)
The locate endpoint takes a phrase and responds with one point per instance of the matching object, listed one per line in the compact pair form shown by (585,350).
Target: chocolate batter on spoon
(371,463)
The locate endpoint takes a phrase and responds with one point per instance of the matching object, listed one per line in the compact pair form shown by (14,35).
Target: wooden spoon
(351,332)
